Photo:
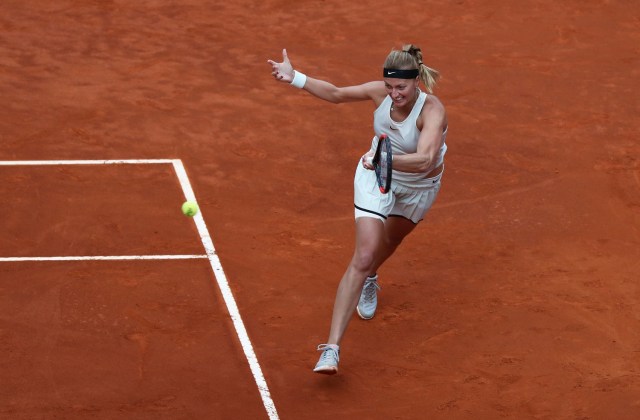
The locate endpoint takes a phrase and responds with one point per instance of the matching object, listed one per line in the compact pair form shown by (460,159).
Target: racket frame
(384,145)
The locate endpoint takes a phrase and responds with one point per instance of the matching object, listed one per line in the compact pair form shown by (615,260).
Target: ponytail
(410,57)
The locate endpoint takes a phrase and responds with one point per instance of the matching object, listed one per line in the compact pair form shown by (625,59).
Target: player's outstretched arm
(284,72)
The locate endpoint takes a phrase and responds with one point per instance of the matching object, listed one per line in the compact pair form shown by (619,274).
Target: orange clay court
(517,297)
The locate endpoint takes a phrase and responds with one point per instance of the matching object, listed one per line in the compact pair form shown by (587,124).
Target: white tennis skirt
(403,201)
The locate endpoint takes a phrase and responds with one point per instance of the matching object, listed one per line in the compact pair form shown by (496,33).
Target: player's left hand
(283,71)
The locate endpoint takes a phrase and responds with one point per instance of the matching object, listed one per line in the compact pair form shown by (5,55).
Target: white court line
(105,258)
(83,162)
(221,278)
(227,295)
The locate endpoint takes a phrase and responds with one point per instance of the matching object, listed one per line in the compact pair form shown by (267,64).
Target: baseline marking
(105,258)
(83,162)
(207,243)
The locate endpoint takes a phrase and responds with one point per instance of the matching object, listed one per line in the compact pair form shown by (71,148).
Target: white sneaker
(368,298)
(328,363)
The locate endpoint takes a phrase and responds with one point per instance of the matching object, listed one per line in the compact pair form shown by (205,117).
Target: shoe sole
(362,316)
(326,370)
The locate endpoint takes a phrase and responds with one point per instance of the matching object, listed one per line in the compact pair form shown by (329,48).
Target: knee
(363,259)
(392,241)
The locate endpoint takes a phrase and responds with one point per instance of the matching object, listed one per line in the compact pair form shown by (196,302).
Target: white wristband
(299,79)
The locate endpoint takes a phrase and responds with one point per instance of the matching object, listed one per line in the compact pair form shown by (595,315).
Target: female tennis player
(416,124)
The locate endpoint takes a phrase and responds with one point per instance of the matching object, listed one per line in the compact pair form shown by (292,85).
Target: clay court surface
(518,297)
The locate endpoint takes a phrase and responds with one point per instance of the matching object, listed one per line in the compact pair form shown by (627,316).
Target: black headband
(400,74)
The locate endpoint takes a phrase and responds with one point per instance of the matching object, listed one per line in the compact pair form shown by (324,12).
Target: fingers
(275,69)
(285,59)
(274,65)
(282,71)
(367,161)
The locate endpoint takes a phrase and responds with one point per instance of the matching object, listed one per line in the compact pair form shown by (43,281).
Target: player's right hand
(367,160)
(282,72)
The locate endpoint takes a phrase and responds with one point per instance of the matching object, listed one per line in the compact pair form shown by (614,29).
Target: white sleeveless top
(404,138)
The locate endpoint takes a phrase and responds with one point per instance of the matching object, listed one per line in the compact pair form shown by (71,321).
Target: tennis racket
(381,162)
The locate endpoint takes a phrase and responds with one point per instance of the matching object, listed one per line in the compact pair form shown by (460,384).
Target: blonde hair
(410,57)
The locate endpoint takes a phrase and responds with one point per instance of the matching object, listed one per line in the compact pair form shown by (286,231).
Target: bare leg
(375,243)
(370,235)
(396,229)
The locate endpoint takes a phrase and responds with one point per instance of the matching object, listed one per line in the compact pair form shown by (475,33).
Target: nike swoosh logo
(391,72)
(393,128)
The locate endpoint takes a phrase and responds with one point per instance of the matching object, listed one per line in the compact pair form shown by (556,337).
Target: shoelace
(370,287)
(328,356)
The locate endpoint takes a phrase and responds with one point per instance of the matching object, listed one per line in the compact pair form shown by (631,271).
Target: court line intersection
(210,254)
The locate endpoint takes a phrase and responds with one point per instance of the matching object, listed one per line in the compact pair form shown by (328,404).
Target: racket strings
(384,165)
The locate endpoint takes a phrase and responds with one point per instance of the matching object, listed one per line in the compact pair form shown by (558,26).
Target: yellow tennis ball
(189,208)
